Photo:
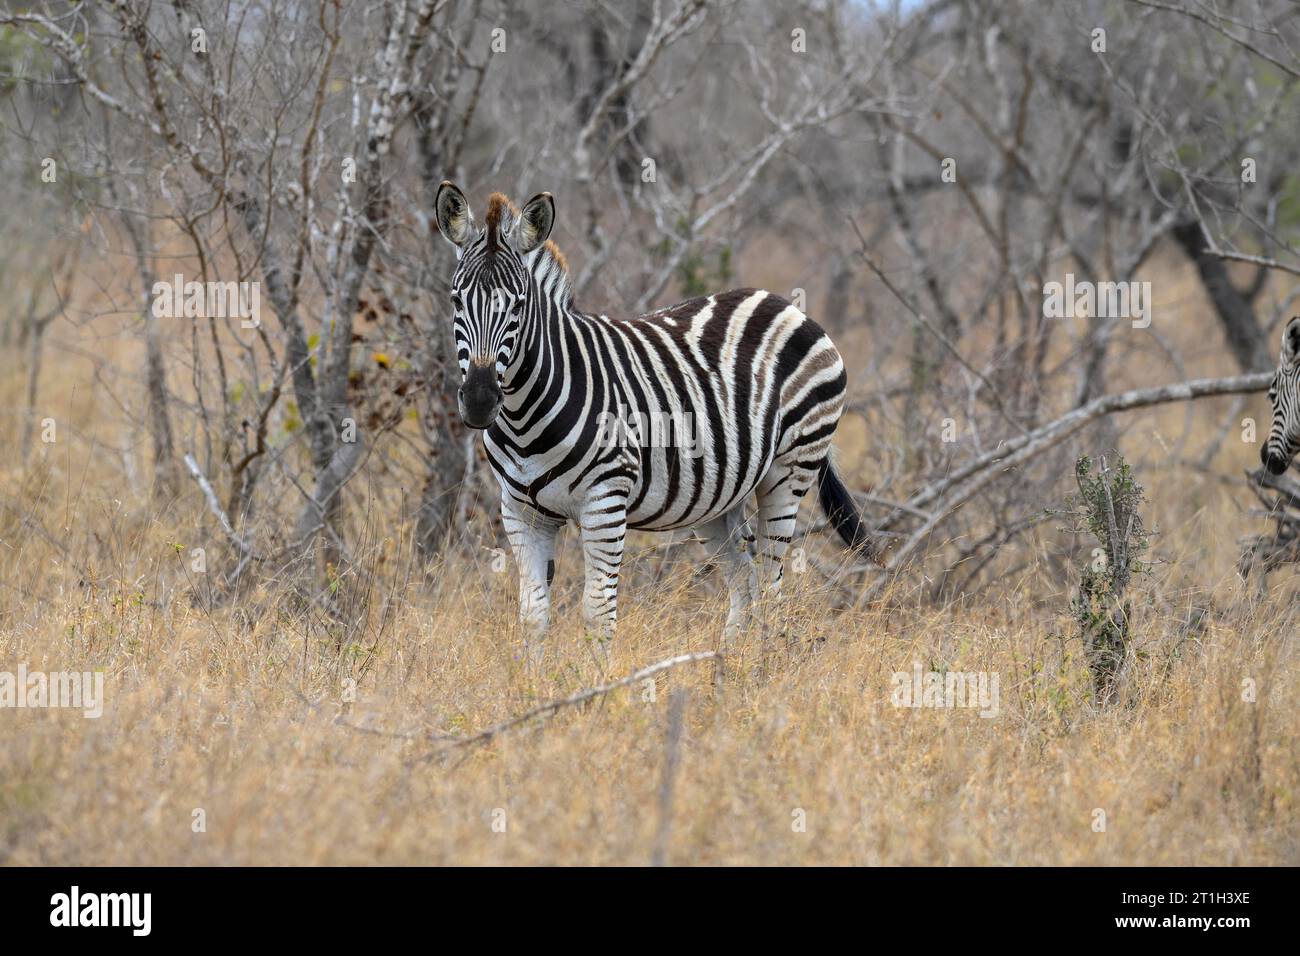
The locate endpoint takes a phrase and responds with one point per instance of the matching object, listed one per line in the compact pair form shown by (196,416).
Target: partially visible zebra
(750,387)
(1284,394)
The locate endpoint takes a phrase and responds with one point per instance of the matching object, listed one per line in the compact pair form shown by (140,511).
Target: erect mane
(546,262)
(499,207)
(551,270)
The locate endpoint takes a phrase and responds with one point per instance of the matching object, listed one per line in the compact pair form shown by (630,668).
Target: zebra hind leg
(604,533)
(779,495)
(730,540)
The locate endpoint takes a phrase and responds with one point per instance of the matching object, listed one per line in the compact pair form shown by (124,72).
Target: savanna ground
(245,712)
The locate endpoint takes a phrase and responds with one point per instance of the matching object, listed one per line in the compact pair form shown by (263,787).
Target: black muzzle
(479,397)
(1274,462)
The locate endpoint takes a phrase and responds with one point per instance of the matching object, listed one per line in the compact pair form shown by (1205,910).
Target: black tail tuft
(843,513)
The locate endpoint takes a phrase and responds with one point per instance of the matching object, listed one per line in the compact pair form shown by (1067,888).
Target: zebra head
(489,290)
(1284,393)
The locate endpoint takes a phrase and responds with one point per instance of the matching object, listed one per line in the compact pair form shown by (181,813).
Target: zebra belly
(680,488)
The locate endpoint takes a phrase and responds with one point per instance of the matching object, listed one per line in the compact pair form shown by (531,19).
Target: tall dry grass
(798,756)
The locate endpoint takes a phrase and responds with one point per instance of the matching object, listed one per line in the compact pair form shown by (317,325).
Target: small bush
(1107,506)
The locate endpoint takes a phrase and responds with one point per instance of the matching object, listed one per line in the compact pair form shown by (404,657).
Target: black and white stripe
(1284,394)
(751,390)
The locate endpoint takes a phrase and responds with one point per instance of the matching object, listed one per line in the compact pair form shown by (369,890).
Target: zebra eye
(456,302)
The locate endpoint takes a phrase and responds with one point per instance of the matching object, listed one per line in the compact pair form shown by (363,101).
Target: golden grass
(242,713)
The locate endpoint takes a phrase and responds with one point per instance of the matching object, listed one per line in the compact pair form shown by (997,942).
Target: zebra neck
(550,309)
(551,276)
(550,370)
(542,325)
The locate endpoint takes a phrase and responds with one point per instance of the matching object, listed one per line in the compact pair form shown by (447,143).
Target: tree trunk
(442,428)
(1236,310)
(35,341)
(160,425)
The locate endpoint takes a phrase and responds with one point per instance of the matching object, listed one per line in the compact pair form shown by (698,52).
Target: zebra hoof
(600,648)
(534,655)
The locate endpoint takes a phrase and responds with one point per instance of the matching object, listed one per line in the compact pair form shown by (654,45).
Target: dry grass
(241,712)
(204,713)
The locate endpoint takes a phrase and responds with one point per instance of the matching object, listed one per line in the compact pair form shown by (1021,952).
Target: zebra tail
(843,513)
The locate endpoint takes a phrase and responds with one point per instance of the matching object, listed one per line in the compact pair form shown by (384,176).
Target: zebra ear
(1291,341)
(451,210)
(535,222)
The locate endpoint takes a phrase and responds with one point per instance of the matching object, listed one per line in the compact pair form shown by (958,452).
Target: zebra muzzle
(1274,462)
(479,397)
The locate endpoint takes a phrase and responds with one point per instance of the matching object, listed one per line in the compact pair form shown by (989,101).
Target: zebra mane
(547,263)
(499,208)
(551,270)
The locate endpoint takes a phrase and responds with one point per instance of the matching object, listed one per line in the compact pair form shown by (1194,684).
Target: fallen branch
(1286,486)
(1068,424)
(1267,552)
(946,496)
(544,710)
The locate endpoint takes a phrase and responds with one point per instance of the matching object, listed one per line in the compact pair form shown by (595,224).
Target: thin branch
(547,709)
(954,491)
(214,505)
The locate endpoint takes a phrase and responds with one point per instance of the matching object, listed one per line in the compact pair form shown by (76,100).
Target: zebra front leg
(533,543)
(728,539)
(604,531)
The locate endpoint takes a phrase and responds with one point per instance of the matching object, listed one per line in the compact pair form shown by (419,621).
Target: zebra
(750,387)
(1284,396)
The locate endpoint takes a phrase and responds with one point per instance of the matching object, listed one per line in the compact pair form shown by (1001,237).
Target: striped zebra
(1284,395)
(746,391)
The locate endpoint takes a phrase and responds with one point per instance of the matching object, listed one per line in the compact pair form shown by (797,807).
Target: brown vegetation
(308,642)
